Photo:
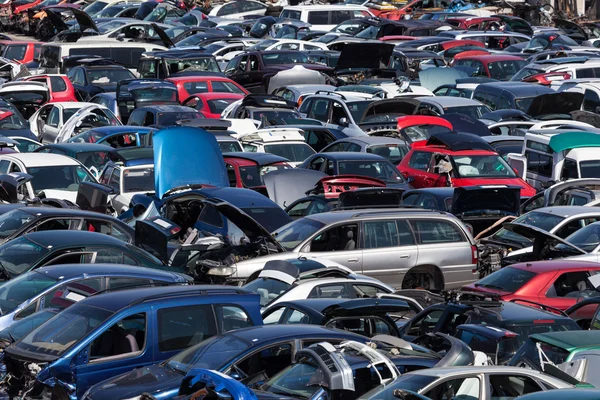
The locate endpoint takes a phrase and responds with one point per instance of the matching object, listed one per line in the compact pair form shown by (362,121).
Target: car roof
(70,212)
(110,130)
(494,57)
(41,159)
(68,238)
(569,340)
(336,216)
(369,140)
(351,156)
(449,101)
(68,271)
(567,211)
(79,147)
(167,108)
(115,301)
(259,158)
(555,265)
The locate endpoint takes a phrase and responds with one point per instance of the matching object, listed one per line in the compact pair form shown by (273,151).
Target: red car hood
(526,189)
(26,6)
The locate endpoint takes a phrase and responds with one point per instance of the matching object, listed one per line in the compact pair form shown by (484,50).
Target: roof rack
(394,210)
(331,93)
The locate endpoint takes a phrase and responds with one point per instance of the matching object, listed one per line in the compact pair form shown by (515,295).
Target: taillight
(300,99)
(474,255)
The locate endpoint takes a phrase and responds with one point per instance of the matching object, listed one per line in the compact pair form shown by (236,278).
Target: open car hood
(571,29)
(364,55)
(281,270)
(9,185)
(555,103)
(380,108)
(332,186)
(298,75)
(75,121)
(541,239)
(365,307)
(477,200)
(288,185)
(187,156)
(84,21)
(433,78)
(93,196)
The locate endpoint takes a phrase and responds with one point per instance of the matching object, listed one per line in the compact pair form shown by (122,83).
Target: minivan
(125,53)
(324,18)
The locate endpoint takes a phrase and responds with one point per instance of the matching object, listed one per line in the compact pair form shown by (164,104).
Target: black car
(97,76)
(162,115)
(162,64)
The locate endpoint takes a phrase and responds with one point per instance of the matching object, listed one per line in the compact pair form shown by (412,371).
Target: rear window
(507,279)
(16,52)
(58,84)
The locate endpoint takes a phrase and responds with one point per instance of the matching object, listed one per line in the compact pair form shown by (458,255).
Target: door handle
(406,256)
(353,260)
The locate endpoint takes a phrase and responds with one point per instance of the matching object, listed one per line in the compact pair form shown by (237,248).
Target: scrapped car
(132,328)
(61,88)
(161,116)
(246,169)
(92,155)
(163,64)
(390,148)
(283,142)
(28,97)
(116,136)
(211,105)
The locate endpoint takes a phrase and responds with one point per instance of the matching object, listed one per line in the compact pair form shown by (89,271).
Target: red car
(476,23)
(414,128)
(457,160)
(211,105)
(461,43)
(496,66)
(61,88)
(246,169)
(190,85)
(555,283)
(22,52)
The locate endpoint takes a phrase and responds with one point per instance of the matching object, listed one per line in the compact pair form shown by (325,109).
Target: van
(324,18)
(125,53)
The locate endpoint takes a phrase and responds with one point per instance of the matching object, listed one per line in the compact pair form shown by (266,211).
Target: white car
(54,175)
(127,181)
(133,31)
(100,5)
(238,9)
(288,44)
(284,142)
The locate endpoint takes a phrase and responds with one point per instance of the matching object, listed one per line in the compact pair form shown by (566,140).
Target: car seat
(350,243)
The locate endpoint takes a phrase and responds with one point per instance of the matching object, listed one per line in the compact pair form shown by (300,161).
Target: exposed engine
(490,258)
(20,380)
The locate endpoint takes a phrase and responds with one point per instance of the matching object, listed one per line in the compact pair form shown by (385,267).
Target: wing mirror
(343,122)
(121,37)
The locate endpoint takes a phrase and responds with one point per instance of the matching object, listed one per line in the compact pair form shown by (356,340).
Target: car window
(379,234)
(115,180)
(574,225)
(338,238)
(353,147)
(182,327)
(230,317)
(461,388)
(510,386)
(269,360)
(297,317)
(112,256)
(425,323)
(573,285)
(319,110)
(94,225)
(591,101)
(569,170)
(316,164)
(436,231)
(57,224)
(365,291)
(335,147)
(299,209)
(125,338)
(332,291)
(274,316)
(54,117)
(318,17)
(420,160)
(117,282)
(540,164)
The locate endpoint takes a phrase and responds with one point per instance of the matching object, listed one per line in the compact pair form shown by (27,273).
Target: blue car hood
(153,379)
(187,156)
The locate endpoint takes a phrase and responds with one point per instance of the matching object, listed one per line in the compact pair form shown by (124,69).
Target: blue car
(113,333)
(94,156)
(244,354)
(116,136)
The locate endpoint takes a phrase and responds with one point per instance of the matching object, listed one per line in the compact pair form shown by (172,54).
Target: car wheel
(419,280)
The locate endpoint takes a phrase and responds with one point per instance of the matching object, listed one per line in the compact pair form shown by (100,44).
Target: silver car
(404,248)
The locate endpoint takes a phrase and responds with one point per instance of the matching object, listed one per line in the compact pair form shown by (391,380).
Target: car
(119,10)
(53,175)
(190,85)
(576,67)
(13,124)
(493,40)
(211,105)
(116,136)
(95,77)
(475,23)
(284,142)
(509,95)
(21,51)
(161,115)
(181,62)
(440,105)
(20,220)
(238,10)
(92,155)
(500,67)
(69,247)
(61,88)
(246,169)
(274,109)
(27,97)
(580,394)
(125,329)
(459,159)
(263,348)
(146,31)
(357,164)
(296,93)
(57,285)
(472,382)
(223,130)
(555,283)
(338,236)
(389,148)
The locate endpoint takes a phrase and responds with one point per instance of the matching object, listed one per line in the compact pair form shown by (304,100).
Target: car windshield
(369,33)
(252,175)
(95,7)
(503,70)
(532,350)
(382,170)
(474,112)
(9,120)
(288,57)
(393,152)
(537,219)
(295,152)
(268,289)
(212,353)
(25,97)
(291,235)
(20,255)
(490,166)
(586,238)
(96,159)
(156,15)
(23,288)
(23,326)
(59,177)
(423,132)
(63,331)
(189,65)
(507,279)
(169,118)
(138,180)
(227,146)
(270,218)
(109,76)
(110,25)
(108,12)
(357,108)
(12,221)
(300,380)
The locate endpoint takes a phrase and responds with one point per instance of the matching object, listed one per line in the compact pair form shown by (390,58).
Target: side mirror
(121,37)
(343,122)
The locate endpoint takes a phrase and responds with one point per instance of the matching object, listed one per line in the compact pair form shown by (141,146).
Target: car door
(239,73)
(417,168)
(511,385)
(389,250)
(254,73)
(339,243)
(567,287)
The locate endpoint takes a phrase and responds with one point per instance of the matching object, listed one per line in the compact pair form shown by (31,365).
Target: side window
(461,388)
(512,386)
(317,140)
(338,238)
(231,317)
(436,231)
(273,317)
(333,291)
(572,285)
(299,209)
(182,327)
(253,60)
(585,73)
(296,317)
(15,168)
(109,256)
(268,360)
(56,224)
(411,199)
(335,147)
(4,165)
(136,118)
(570,227)
(64,295)
(316,164)
(243,64)
(126,338)
(318,17)
(105,177)
(538,163)
(122,282)
(149,119)
(232,65)
(115,180)
(425,323)
(380,234)
(420,160)
(405,235)
(504,103)
(363,291)
(354,148)
(27,311)
(106,228)
(320,110)
(569,169)
(591,101)
(54,117)
(337,112)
